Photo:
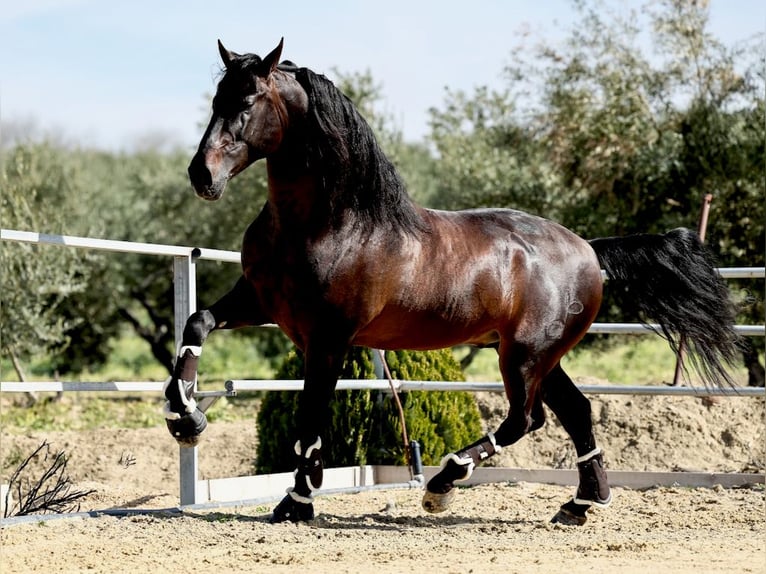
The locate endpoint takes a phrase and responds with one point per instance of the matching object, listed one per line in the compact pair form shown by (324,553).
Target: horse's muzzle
(202,180)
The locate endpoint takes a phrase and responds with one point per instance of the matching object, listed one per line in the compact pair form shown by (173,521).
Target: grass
(633,360)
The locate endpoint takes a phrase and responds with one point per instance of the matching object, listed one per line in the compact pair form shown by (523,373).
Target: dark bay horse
(339,255)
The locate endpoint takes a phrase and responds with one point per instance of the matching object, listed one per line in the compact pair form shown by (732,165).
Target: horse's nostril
(199,174)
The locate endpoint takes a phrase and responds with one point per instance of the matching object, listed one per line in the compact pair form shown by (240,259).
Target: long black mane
(355,174)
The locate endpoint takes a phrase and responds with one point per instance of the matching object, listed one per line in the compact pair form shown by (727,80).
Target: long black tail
(671,279)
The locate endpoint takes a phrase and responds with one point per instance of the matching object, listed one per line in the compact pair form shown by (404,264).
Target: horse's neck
(293,195)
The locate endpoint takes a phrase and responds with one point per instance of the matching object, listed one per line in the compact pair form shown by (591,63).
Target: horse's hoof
(435,503)
(187,429)
(571,514)
(290,510)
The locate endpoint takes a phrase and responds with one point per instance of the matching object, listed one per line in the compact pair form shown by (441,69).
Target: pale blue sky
(106,73)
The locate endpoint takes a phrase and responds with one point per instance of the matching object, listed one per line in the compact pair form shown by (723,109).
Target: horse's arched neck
(293,187)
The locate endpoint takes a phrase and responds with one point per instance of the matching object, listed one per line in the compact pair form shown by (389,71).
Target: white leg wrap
(298,498)
(309,450)
(590,455)
(298,451)
(593,503)
(491,436)
(195,350)
(315,446)
(465,462)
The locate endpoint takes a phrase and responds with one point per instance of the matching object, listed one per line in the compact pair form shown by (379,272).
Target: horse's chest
(297,284)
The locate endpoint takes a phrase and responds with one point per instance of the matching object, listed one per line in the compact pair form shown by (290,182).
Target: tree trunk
(32,397)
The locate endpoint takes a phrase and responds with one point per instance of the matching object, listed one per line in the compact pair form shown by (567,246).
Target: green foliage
(365,426)
(35,281)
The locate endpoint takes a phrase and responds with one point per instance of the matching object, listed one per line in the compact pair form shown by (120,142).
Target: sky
(110,74)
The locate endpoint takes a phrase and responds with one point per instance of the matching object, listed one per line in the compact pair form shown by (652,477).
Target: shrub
(365,426)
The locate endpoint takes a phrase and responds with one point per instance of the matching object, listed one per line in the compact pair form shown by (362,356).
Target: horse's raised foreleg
(322,367)
(238,308)
(525,414)
(573,410)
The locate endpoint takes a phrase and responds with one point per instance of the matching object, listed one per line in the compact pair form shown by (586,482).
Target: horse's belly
(423,331)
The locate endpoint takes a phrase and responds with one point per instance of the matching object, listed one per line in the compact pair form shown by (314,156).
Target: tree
(609,140)
(35,280)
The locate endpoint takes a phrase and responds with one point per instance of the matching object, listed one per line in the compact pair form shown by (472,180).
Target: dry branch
(51,492)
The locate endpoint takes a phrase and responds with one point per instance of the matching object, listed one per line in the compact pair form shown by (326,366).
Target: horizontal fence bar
(565,477)
(237,385)
(233,386)
(732,272)
(742,272)
(90,386)
(119,246)
(61,386)
(640,329)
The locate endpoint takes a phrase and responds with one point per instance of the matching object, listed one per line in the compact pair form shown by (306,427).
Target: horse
(340,255)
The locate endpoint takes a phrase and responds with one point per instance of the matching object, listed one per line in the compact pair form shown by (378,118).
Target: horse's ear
(226,56)
(270,62)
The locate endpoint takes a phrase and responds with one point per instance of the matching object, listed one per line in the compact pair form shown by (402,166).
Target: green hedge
(365,427)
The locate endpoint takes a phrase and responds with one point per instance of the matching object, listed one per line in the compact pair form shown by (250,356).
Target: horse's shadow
(367,521)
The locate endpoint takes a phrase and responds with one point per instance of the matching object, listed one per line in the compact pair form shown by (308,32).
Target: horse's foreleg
(184,419)
(313,416)
(238,308)
(573,410)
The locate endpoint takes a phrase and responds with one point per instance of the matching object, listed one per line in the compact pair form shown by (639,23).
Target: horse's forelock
(241,66)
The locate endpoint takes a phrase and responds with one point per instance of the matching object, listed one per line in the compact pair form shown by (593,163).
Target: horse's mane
(354,172)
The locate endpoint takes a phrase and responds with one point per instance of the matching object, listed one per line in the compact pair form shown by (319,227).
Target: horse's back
(480,276)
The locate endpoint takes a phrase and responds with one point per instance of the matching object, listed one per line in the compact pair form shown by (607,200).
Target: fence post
(185,303)
(701,231)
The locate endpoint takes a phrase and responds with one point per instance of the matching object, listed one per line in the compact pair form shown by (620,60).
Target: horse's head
(252,108)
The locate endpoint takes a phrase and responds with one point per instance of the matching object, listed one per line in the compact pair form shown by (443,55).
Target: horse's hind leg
(521,377)
(573,410)
(238,308)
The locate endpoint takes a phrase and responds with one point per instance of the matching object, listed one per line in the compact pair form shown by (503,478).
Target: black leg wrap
(593,490)
(298,505)
(460,465)
(290,510)
(455,467)
(594,486)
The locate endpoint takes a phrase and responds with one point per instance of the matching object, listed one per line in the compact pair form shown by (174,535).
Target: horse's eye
(249,101)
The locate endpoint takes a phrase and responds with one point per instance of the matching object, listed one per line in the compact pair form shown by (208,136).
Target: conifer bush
(365,426)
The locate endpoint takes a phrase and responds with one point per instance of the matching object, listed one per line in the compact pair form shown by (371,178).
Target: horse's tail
(671,279)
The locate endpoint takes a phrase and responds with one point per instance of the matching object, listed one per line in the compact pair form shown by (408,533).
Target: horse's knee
(198,327)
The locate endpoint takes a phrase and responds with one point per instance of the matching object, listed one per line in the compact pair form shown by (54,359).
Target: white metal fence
(192,491)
